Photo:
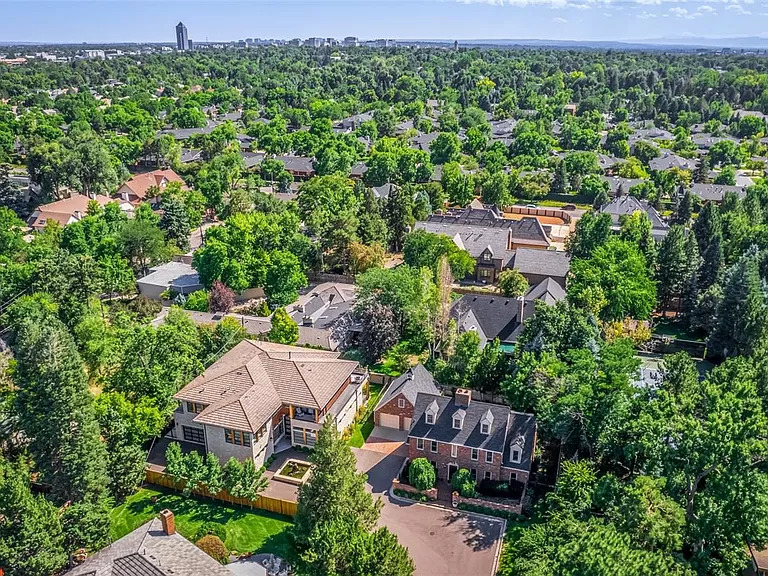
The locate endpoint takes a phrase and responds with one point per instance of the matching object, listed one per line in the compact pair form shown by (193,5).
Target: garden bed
(294,472)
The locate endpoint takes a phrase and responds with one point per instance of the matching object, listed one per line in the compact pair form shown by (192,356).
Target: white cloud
(679,12)
(647,15)
(706,9)
(738,8)
(560,20)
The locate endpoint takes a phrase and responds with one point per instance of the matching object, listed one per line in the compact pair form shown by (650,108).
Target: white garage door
(389,420)
(406,423)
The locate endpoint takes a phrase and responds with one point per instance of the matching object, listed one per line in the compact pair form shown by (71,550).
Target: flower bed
(294,472)
(429,495)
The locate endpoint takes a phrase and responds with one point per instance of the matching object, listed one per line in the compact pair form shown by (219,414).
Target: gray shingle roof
(149,551)
(541,262)
(668,161)
(414,380)
(627,205)
(507,427)
(715,192)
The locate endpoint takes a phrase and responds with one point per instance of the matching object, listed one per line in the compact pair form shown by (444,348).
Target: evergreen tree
(701,174)
(707,226)
(712,263)
(561,182)
(371,226)
(399,216)
(31,538)
(690,291)
(175,221)
(740,321)
(590,233)
(684,208)
(673,269)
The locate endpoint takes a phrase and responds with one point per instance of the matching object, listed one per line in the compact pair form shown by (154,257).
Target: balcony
(305,414)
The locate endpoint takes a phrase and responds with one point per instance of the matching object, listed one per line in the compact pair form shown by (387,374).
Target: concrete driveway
(440,541)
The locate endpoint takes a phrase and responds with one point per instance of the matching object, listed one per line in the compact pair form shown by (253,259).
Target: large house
(493,316)
(260,394)
(395,407)
(490,440)
(628,205)
(153,549)
(138,189)
(489,238)
(66,211)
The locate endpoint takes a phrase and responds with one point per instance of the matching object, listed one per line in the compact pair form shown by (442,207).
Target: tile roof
(140,184)
(414,380)
(250,383)
(149,551)
(508,427)
(76,206)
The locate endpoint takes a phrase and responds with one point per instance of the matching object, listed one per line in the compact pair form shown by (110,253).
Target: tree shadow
(478,533)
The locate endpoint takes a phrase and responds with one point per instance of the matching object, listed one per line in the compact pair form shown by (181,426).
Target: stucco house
(140,188)
(261,396)
(395,407)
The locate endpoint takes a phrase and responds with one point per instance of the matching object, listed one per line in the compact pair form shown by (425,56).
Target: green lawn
(360,433)
(246,531)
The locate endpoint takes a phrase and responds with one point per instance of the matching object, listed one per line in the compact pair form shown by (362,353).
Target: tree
(284,330)
(495,189)
(424,249)
(645,151)
(638,230)
(511,283)
(142,243)
(380,329)
(197,301)
(594,187)
(11,194)
(614,282)
(590,233)
(445,148)
(220,298)
(175,221)
(31,538)
(399,216)
(335,510)
(363,257)
(421,474)
(56,413)
(463,484)
(561,183)
(684,210)
(284,278)
(673,267)
(242,480)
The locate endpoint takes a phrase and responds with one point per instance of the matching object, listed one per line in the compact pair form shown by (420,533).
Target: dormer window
(487,256)
(486,422)
(485,428)
(458,419)
(515,454)
(457,423)
(431,412)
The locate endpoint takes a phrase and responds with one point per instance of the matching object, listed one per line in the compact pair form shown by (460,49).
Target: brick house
(395,408)
(490,440)
(261,394)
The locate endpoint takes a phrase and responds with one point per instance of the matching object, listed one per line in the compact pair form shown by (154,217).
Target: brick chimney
(169,524)
(463,397)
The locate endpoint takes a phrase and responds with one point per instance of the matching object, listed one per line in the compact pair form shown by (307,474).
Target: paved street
(441,542)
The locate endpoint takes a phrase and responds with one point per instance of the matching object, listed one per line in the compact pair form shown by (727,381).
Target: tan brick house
(395,408)
(490,440)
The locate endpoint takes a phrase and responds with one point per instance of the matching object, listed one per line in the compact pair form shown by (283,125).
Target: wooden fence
(274,505)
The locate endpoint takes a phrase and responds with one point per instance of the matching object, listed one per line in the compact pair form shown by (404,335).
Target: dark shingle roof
(541,262)
(715,192)
(628,205)
(409,384)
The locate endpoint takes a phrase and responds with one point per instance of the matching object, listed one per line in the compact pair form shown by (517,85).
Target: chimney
(462,397)
(521,309)
(169,524)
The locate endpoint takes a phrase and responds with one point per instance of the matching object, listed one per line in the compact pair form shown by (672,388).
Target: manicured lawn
(360,432)
(246,531)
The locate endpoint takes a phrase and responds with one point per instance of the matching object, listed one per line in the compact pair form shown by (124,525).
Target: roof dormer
(486,422)
(430,414)
(516,450)
(458,419)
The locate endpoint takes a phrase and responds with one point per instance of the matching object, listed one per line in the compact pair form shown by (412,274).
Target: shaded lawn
(668,327)
(255,531)
(360,432)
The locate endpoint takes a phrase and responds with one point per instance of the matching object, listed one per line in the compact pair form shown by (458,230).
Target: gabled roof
(627,205)
(715,192)
(149,551)
(548,291)
(414,380)
(140,184)
(247,385)
(541,262)
(62,211)
(669,160)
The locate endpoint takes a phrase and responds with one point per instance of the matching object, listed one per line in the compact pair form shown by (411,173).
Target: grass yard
(246,531)
(360,432)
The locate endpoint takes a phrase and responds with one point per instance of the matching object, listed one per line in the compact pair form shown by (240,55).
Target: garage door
(389,420)
(406,423)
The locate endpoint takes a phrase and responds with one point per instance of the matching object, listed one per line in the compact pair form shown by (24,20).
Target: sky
(222,20)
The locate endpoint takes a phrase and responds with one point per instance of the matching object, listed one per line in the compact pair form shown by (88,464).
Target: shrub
(214,547)
(197,301)
(463,484)
(263,309)
(493,488)
(210,529)
(421,474)
(410,495)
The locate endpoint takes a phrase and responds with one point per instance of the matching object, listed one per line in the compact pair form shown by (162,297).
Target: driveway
(387,441)
(440,541)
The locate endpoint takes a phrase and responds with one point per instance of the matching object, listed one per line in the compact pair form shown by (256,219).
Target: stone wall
(431,494)
(514,508)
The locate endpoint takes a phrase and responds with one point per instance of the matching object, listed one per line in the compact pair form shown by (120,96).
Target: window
(485,273)
(430,418)
(193,434)
(433,446)
(474,454)
(512,476)
(473,474)
(488,475)
(237,437)
(486,256)
(454,450)
(401,402)
(489,457)
(515,454)
(457,423)
(485,428)
(420,443)
(195,408)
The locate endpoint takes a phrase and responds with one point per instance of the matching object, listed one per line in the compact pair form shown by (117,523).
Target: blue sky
(140,20)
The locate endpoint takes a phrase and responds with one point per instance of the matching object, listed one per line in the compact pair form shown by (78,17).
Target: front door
(452,468)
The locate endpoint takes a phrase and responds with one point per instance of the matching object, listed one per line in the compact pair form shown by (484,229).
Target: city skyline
(67,21)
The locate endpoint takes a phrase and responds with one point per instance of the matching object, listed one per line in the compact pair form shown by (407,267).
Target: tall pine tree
(673,269)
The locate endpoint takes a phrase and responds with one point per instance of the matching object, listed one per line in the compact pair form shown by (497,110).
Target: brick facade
(393,408)
(443,459)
